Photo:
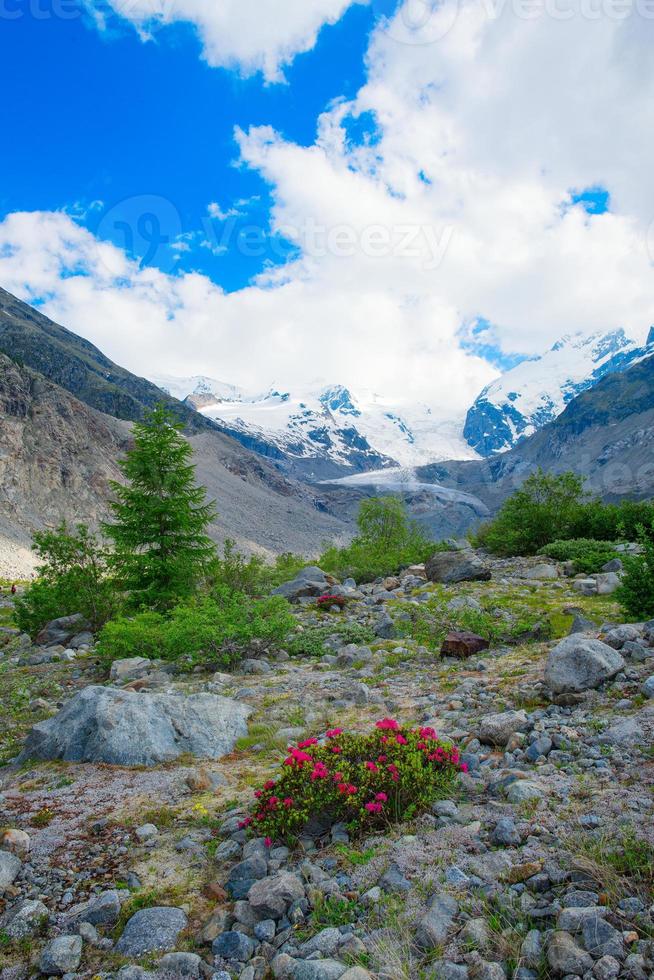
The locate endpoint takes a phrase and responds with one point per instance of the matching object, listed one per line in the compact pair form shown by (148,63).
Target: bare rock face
(123,728)
(579,663)
(450,567)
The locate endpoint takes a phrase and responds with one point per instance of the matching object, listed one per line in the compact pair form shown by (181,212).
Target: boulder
(566,957)
(131,669)
(435,925)
(24,919)
(541,572)
(463,645)
(579,663)
(311,581)
(450,567)
(61,955)
(10,865)
(270,897)
(607,582)
(497,729)
(60,631)
(101,724)
(151,930)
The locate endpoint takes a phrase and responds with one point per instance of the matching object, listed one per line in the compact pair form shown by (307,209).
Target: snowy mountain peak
(336,398)
(537,390)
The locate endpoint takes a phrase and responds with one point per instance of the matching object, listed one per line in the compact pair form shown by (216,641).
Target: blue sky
(295,192)
(103,117)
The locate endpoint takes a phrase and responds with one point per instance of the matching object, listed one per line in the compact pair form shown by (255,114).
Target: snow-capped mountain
(538,390)
(327,432)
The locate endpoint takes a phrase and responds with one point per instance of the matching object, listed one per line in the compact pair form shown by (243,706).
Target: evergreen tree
(161,549)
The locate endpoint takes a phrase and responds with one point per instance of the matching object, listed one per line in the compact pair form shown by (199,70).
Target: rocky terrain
(122,796)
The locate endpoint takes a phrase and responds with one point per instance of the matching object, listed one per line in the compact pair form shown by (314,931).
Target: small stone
(496,729)
(531,951)
(435,925)
(606,968)
(319,970)
(10,865)
(233,946)
(522,791)
(506,833)
(151,930)
(16,841)
(265,931)
(24,919)
(147,832)
(648,687)
(601,939)
(565,956)
(61,955)
(103,910)
(181,964)
(270,897)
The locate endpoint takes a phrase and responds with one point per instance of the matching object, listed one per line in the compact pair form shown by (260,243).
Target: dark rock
(463,644)
(62,630)
(450,567)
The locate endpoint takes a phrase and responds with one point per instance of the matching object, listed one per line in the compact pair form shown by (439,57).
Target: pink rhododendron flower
(268,842)
(334,732)
(288,802)
(427,733)
(400,739)
(372,767)
(381,797)
(388,723)
(374,807)
(307,742)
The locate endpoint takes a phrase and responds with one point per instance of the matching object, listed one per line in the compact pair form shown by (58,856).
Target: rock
(326,942)
(103,910)
(233,946)
(60,631)
(384,628)
(101,724)
(24,919)
(601,939)
(270,897)
(318,970)
(463,644)
(542,571)
(463,602)
(356,973)
(581,625)
(16,841)
(579,663)
(607,583)
(434,927)
(606,968)
(648,687)
(131,669)
(147,832)
(587,586)
(311,581)
(10,865)
(531,951)
(181,964)
(522,790)
(497,729)
(615,565)
(151,931)
(506,833)
(479,969)
(83,639)
(566,957)
(61,955)
(620,635)
(450,567)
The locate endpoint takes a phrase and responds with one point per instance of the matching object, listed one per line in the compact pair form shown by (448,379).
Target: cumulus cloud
(248,35)
(458,206)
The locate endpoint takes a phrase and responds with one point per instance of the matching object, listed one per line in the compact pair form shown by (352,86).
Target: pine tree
(161,549)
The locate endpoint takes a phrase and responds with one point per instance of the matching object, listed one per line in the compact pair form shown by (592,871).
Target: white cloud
(456,211)
(248,35)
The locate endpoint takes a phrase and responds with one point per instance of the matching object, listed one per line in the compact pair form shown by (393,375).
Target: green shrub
(387,542)
(209,631)
(636,594)
(252,574)
(541,511)
(610,522)
(588,556)
(72,578)
(365,781)
(311,642)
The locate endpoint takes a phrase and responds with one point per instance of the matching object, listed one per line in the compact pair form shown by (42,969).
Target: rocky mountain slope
(605,434)
(59,451)
(538,863)
(536,391)
(325,433)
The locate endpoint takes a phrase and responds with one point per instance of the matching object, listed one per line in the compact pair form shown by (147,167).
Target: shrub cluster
(387,541)
(637,590)
(430,622)
(327,601)
(211,631)
(365,781)
(554,507)
(587,555)
(312,642)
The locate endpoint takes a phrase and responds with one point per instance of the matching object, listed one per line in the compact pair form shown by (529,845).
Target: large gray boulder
(450,567)
(122,728)
(10,865)
(580,663)
(311,581)
(151,930)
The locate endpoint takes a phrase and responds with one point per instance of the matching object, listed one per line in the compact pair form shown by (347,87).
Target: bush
(541,511)
(588,556)
(636,594)
(365,781)
(609,522)
(71,579)
(312,642)
(210,631)
(387,542)
(252,574)
(430,622)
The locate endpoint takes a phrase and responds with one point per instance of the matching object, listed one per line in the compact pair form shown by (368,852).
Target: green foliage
(387,542)
(72,578)
(541,511)
(610,522)
(430,622)
(210,631)
(367,781)
(588,556)
(312,642)
(160,516)
(251,574)
(636,594)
